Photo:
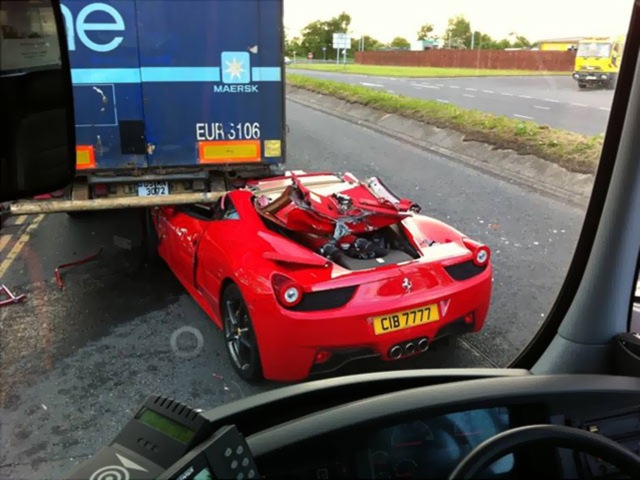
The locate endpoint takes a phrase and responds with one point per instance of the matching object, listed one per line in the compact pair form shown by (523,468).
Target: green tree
(399,42)
(458,33)
(521,42)
(370,43)
(291,46)
(319,34)
(484,41)
(425,31)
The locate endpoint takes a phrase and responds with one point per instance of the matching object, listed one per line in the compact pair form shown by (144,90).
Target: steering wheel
(500,445)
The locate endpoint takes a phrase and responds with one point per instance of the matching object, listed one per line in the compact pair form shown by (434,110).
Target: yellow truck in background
(598,61)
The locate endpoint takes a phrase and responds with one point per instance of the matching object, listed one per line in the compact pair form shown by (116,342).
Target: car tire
(242,347)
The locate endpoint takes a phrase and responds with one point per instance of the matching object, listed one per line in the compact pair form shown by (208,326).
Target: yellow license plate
(406,319)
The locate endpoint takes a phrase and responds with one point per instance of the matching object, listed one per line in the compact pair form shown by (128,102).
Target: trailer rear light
(287,291)
(229,151)
(100,190)
(85,157)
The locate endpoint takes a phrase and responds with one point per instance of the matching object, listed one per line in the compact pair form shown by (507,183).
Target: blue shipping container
(176,83)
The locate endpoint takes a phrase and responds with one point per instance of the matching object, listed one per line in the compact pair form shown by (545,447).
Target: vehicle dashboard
(430,442)
(421,447)
(384,426)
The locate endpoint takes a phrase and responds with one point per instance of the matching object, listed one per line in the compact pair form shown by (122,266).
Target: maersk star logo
(236,67)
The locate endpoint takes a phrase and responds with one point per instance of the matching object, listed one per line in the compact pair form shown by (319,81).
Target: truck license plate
(151,189)
(591,77)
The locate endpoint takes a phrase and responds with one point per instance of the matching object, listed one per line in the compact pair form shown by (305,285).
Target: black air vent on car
(325,300)
(464,270)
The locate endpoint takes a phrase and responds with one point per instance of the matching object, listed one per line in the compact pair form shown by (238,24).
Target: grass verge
(390,71)
(572,151)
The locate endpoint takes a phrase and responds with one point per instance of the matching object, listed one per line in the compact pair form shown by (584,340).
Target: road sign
(341,41)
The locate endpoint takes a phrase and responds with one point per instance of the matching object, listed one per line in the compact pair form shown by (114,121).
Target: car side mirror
(37,139)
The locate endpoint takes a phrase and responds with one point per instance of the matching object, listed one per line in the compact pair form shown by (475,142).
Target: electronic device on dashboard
(166,439)
(225,455)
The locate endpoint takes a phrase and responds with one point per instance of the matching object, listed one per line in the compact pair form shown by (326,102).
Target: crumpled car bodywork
(331,269)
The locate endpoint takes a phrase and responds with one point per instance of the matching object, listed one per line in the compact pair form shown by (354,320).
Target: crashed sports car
(308,271)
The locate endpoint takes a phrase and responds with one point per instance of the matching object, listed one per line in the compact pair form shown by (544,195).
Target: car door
(183,229)
(212,264)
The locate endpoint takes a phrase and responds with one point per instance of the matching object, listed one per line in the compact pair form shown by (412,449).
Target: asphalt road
(550,100)
(76,362)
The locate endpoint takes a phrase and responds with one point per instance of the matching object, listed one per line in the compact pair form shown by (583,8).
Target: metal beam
(55,206)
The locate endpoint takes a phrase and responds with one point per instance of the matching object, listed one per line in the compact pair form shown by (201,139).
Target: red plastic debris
(46,196)
(11,298)
(73,264)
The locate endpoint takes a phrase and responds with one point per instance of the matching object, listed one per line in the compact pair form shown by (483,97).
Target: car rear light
(481,256)
(322,356)
(287,291)
(480,252)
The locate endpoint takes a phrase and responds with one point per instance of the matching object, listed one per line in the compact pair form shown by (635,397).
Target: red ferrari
(308,271)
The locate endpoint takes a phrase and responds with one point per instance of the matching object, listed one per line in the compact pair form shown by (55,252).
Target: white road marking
(22,240)
(578,104)
(551,100)
(488,91)
(424,85)
(371,84)
(522,116)
(605,108)
(467,95)
(390,91)
(471,89)
(453,86)
(541,108)
(525,96)
(439,85)
(441,101)
(507,94)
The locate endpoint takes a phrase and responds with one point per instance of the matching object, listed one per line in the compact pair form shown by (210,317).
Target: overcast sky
(535,19)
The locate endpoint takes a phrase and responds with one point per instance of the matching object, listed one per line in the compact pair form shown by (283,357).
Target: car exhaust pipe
(423,344)
(395,353)
(410,348)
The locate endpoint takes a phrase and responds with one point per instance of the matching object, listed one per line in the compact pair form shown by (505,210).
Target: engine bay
(357,225)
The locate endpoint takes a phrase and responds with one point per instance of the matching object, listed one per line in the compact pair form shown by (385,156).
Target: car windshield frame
(594,49)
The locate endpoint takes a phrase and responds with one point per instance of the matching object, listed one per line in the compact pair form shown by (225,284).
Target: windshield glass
(594,49)
(403,188)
